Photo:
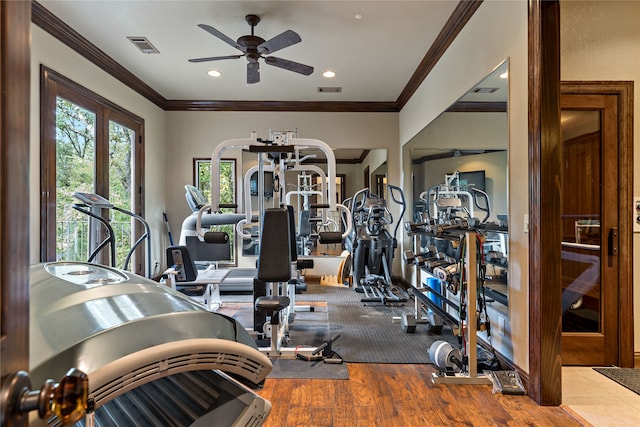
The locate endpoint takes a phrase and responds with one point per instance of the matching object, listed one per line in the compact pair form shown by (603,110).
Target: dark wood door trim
(545,321)
(589,160)
(52,85)
(623,90)
(15,77)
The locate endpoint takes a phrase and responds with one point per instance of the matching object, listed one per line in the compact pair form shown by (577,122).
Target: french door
(88,146)
(594,274)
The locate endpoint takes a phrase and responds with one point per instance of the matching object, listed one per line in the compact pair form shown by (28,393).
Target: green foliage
(75,172)
(121,140)
(75,154)
(226,181)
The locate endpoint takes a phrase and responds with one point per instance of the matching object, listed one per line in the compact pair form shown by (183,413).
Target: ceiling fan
(254,48)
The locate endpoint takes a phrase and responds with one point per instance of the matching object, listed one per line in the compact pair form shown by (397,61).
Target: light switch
(636,214)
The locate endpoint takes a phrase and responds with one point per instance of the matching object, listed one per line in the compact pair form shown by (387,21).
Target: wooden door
(592,207)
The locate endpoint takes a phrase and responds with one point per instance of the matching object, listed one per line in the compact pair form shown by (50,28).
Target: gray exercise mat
(293,368)
(367,333)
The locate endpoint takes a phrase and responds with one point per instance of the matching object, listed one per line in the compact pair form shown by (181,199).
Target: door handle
(613,241)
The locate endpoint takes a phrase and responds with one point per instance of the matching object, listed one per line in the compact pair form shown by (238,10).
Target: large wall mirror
(470,141)
(350,167)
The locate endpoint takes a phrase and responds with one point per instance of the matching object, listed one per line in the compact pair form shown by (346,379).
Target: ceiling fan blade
(289,65)
(209,29)
(253,72)
(280,41)
(215,58)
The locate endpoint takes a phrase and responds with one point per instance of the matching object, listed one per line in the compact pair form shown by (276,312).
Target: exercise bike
(373,246)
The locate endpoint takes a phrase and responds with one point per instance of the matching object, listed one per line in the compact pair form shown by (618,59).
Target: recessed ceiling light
(328,74)
(359,16)
(214,73)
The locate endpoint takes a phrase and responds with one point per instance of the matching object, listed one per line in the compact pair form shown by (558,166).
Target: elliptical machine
(92,204)
(373,246)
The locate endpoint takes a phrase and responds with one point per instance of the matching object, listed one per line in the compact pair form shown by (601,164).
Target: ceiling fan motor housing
(250,44)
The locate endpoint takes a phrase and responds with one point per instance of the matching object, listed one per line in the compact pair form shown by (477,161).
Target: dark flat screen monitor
(474,178)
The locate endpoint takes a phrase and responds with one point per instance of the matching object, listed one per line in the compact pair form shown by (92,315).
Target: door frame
(623,91)
(15,56)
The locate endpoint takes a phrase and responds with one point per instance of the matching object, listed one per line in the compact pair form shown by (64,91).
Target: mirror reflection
(459,170)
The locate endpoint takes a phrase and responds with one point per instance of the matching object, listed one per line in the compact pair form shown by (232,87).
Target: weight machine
(274,285)
(451,200)
(282,152)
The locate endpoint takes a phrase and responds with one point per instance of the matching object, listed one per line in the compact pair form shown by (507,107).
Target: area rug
(626,377)
(367,333)
(293,368)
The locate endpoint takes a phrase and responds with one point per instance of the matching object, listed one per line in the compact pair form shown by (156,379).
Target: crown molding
(44,19)
(50,23)
(317,106)
(456,22)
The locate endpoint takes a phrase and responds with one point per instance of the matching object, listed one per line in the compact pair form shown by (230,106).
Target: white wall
(49,51)
(601,41)
(497,31)
(195,134)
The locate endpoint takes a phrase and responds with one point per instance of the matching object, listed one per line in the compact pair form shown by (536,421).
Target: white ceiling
(374,57)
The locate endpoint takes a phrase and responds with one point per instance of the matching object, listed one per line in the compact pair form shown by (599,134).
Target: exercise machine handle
(393,192)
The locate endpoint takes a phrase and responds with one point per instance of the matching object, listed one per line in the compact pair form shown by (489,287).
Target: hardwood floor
(400,396)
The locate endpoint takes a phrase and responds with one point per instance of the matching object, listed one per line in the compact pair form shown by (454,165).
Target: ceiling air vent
(484,90)
(329,89)
(143,44)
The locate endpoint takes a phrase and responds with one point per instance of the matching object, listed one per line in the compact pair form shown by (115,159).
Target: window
(91,145)
(202,181)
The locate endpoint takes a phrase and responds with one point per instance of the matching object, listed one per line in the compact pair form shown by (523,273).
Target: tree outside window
(202,174)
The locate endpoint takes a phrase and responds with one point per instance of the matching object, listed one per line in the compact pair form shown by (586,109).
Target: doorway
(597,325)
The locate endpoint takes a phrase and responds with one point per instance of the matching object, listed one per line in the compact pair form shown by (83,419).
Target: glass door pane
(121,141)
(75,159)
(581,216)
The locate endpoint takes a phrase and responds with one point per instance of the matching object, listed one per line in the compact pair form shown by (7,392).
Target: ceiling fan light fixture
(329,74)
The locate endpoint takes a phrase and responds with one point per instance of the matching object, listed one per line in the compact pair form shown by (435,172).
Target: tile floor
(597,399)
